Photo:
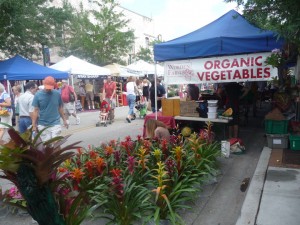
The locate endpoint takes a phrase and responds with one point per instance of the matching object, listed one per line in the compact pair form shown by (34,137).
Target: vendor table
(201,119)
(168,120)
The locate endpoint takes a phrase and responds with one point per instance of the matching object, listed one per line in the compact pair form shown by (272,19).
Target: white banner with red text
(234,68)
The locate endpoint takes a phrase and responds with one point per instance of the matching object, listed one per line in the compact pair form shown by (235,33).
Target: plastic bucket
(212,115)
(212,109)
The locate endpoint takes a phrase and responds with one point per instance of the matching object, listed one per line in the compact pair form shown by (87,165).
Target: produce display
(275,114)
(228,112)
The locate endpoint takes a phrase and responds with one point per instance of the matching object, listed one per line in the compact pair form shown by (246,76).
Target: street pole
(43,52)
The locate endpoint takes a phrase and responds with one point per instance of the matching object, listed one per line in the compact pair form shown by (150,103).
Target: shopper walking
(69,104)
(132,91)
(25,106)
(6,111)
(109,95)
(89,89)
(48,109)
(160,94)
(17,93)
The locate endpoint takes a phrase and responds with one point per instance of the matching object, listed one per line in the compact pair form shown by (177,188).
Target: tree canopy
(281,16)
(100,36)
(27,25)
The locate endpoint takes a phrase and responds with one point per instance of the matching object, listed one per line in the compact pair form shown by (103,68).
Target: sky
(175,18)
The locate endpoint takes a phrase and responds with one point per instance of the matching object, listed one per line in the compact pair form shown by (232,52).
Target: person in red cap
(48,109)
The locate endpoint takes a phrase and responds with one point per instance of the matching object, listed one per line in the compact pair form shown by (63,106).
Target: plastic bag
(236,146)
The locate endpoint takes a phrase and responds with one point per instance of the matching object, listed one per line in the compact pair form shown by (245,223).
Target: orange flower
(100,163)
(77,174)
(109,150)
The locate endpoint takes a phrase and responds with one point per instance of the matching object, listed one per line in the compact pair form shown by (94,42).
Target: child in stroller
(141,107)
(104,115)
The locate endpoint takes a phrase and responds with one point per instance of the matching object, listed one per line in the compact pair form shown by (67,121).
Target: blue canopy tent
(230,34)
(19,68)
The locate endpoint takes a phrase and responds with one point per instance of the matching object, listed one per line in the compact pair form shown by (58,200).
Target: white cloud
(181,17)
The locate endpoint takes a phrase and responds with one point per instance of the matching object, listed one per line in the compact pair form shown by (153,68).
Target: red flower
(131,164)
(93,154)
(62,169)
(116,172)
(117,183)
(89,166)
(79,151)
(128,138)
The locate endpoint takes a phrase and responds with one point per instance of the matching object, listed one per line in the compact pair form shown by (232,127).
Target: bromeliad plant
(30,164)
(127,181)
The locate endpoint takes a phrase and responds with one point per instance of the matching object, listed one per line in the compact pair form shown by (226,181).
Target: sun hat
(64,81)
(49,83)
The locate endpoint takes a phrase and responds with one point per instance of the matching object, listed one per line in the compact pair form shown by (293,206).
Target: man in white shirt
(25,106)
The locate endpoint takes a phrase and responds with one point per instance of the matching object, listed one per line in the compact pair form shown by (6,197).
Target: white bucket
(225,148)
(212,101)
(211,115)
(212,109)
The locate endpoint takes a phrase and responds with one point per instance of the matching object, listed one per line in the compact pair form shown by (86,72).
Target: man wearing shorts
(109,94)
(48,109)
(89,89)
(69,106)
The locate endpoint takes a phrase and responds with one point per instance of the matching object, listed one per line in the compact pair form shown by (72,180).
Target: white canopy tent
(81,68)
(122,71)
(146,68)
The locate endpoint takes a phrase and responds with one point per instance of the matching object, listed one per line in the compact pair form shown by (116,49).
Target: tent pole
(72,80)
(155,83)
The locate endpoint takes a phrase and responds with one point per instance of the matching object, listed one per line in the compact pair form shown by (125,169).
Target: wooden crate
(170,107)
(188,108)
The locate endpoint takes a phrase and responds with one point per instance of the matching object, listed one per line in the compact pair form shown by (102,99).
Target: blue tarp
(230,34)
(19,68)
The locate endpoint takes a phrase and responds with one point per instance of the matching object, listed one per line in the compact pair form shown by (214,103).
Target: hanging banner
(235,68)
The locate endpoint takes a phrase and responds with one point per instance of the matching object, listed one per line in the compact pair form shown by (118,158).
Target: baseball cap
(49,83)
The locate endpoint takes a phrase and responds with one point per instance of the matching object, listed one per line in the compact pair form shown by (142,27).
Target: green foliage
(144,54)
(282,16)
(26,25)
(104,41)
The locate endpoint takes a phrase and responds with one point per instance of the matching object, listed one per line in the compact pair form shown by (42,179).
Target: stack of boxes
(277,133)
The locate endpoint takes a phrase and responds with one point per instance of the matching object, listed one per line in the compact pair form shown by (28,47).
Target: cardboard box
(170,107)
(189,108)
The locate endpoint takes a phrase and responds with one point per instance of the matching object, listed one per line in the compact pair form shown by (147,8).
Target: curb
(252,200)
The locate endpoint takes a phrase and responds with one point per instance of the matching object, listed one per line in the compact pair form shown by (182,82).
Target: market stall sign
(84,76)
(235,68)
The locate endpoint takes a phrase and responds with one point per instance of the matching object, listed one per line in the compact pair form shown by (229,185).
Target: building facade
(143,27)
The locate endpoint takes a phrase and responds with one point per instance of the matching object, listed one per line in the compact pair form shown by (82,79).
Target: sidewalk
(273,197)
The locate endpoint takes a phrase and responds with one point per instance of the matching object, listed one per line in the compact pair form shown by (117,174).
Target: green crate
(276,126)
(294,142)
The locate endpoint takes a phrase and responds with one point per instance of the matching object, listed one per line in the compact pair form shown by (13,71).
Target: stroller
(104,116)
(141,107)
